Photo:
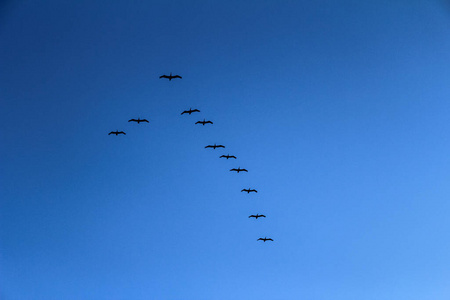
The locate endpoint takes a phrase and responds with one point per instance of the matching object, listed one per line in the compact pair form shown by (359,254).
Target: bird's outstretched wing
(144,120)
(194,110)
(244,170)
(121,132)
(209,122)
(269,240)
(163,76)
(185,112)
(232,156)
(260,239)
(254,191)
(222,156)
(252,216)
(199,122)
(262,216)
(132,120)
(220,146)
(112,132)
(177,76)
(233,170)
(243,190)
(209,146)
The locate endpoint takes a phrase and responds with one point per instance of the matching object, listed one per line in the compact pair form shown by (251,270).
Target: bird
(239,170)
(257,216)
(170,76)
(138,120)
(203,122)
(190,111)
(264,239)
(116,132)
(228,156)
(215,146)
(249,190)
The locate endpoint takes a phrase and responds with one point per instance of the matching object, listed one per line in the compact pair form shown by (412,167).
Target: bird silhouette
(239,170)
(190,111)
(264,239)
(228,156)
(249,190)
(203,122)
(138,120)
(215,146)
(170,77)
(257,216)
(116,132)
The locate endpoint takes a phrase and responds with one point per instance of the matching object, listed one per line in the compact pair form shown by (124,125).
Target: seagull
(228,156)
(203,122)
(249,190)
(215,146)
(239,170)
(190,111)
(116,132)
(170,76)
(257,216)
(264,239)
(138,120)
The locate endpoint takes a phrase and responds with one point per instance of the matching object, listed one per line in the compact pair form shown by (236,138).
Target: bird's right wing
(176,76)
(132,120)
(163,76)
(184,112)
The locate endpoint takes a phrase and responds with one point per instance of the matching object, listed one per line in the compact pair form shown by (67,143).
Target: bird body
(215,146)
(257,216)
(170,77)
(116,132)
(138,120)
(228,156)
(190,111)
(239,170)
(203,122)
(264,239)
(249,190)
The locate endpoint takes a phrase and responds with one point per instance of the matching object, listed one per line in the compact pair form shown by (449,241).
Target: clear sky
(340,110)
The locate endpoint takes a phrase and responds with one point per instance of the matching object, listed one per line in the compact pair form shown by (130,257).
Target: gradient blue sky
(340,110)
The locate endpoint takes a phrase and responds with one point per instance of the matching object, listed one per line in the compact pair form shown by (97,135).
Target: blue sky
(338,109)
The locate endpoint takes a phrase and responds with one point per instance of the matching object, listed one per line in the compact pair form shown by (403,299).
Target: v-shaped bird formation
(214,147)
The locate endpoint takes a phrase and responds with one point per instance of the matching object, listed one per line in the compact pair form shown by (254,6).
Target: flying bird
(249,190)
(190,111)
(239,170)
(215,146)
(228,156)
(170,76)
(138,120)
(264,239)
(257,216)
(203,122)
(116,132)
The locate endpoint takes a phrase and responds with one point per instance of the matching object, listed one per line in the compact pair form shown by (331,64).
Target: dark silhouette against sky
(339,110)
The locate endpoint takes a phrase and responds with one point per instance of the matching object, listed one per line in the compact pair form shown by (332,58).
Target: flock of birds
(215,146)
